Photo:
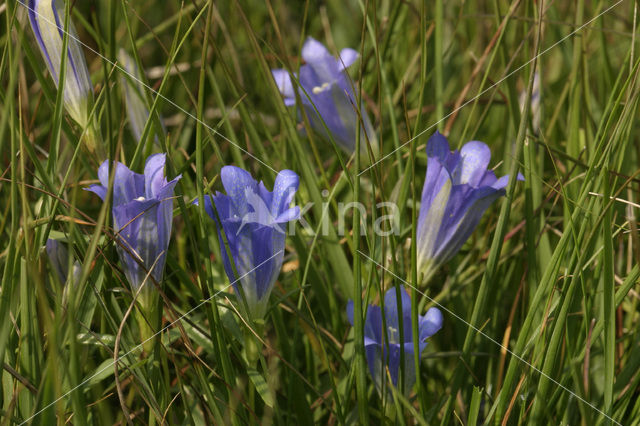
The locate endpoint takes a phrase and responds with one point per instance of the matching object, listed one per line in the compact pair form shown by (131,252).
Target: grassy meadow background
(541,317)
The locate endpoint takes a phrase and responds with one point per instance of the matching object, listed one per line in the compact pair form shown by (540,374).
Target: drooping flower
(328,97)
(47,23)
(457,191)
(133,90)
(254,221)
(58,255)
(383,353)
(142,215)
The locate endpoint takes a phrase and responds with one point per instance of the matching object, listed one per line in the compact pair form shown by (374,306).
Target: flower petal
(430,323)
(235,182)
(283,81)
(372,323)
(127,185)
(318,57)
(289,215)
(347,57)
(438,146)
(392,316)
(431,219)
(470,204)
(99,190)
(284,190)
(137,226)
(313,51)
(475,159)
(395,357)
(154,179)
(103,173)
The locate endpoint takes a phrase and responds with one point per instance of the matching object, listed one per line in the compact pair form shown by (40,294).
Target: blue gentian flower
(327,89)
(254,221)
(47,23)
(142,216)
(377,345)
(457,191)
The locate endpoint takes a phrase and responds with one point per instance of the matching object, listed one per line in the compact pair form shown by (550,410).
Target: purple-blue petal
(283,81)
(138,236)
(103,173)
(236,181)
(392,318)
(318,57)
(430,323)
(438,146)
(99,190)
(463,221)
(284,190)
(347,57)
(289,215)
(475,159)
(154,179)
(127,185)
(395,357)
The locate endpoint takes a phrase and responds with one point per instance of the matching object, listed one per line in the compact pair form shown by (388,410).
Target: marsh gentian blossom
(325,87)
(142,216)
(47,23)
(385,351)
(254,223)
(133,90)
(457,191)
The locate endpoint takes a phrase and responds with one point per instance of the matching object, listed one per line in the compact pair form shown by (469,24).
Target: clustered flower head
(328,97)
(254,223)
(142,215)
(384,342)
(47,22)
(457,191)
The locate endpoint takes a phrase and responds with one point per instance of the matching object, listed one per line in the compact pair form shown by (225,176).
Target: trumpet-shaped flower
(327,96)
(253,220)
(383,353)
(457,191)
(142,216)
(133,90)
(47,23)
